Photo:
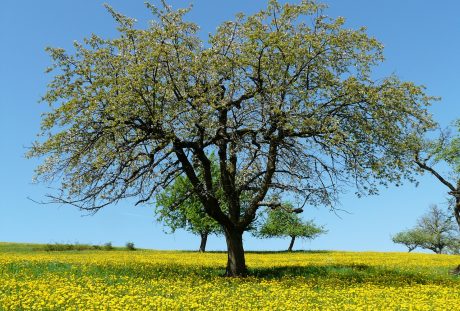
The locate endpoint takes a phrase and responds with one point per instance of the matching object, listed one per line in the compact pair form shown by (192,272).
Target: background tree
(284,97)
(435,231)
(445,150)
(411,238)
(283,222)
(454,246)
(439,227)
(179,208)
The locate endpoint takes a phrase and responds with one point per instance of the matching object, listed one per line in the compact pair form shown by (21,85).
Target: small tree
(439,229)
(285,223)
(434,231)
(179,208)
(411,238)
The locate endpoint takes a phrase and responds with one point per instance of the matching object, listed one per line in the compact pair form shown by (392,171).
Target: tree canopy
(411,238)
(284,223)
(285,97)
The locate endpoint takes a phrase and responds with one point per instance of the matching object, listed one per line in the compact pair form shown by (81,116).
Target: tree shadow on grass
(356,273)
(309,271)
(336,274)
(291,252)
(344,274)
(268,252)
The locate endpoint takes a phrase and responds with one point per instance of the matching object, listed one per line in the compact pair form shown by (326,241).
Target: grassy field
(31,278)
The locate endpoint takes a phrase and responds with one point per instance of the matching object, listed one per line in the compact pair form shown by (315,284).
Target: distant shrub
(55,247)
(59,247)
(81,247)
(130,246)
(108,246)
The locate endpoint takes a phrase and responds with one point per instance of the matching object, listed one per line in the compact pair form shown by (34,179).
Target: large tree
(439,153)
(284,97)
(283,222)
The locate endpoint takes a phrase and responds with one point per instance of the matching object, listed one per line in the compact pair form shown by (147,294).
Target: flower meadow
(173,280)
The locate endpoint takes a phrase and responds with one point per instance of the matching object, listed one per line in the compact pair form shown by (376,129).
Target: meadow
(34,279)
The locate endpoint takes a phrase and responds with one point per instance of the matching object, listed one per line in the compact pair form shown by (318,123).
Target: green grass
(21,247)
(358,273)
(29,276)
(7,247)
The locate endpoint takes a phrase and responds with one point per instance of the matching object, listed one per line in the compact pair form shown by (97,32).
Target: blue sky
(421,41)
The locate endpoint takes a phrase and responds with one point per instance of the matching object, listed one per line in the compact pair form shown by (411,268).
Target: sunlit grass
(165,280)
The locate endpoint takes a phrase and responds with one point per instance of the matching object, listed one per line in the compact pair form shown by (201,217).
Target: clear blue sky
(422,44)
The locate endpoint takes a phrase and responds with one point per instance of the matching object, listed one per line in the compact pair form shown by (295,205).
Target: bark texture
(291,245)
(236,263)
(204,239)
(457,205)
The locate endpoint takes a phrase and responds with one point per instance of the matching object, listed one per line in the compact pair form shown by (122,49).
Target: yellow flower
(166,280)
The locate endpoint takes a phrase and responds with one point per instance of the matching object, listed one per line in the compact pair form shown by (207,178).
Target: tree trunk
(236,264)
(204,239)
(457,205)
(291,245)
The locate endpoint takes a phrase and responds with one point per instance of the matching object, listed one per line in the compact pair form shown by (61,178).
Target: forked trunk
(236,264)
(204,239)
(291,245)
